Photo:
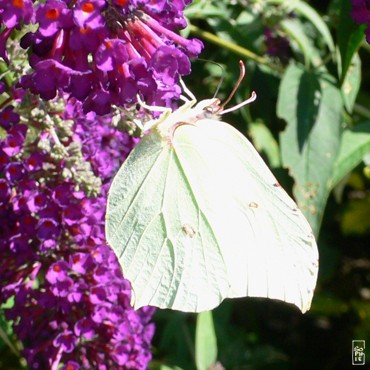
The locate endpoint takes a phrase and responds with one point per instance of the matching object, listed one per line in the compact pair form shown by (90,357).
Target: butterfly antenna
(251,99)
(222,75)
(240,79)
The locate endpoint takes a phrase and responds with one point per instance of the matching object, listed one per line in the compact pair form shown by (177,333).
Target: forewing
(163,241)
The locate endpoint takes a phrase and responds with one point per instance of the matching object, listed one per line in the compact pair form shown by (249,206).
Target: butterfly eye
(213,108)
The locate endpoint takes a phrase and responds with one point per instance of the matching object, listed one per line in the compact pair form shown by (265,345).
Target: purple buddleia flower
(277,45)
(15,12)
(361,14)
(4,191)
(13,143)
(34,161)
(66,341)
(78,313)
(14,171)
(47,229)
(58,271)
(71,305)
(49,77)
(37,201)
(71,365)
(361,11)
(120,353)
(85,327)
(80,262)
(53,16)
(106,52)
(8,117)
(27,224)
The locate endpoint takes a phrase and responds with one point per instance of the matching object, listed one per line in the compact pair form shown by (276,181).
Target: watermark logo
(358,352)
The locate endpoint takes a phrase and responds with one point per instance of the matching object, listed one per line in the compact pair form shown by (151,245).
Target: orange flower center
(84,31)
(56,268)
(88,7)
(52,14)
(18,3)
(122,2)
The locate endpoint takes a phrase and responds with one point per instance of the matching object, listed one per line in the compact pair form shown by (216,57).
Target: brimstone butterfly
(195,216)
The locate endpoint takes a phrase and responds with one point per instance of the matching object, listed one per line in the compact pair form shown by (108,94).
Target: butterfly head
(208,108)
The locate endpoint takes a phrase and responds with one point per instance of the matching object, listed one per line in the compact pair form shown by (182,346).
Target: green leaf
(329,305)
(351,84)
(355,219)
(264,142)
(6,329)
(311,105)
(355,144)
(176,338)
(366,159)
(349,35)
(205,341)
(295,30)
(202,10)
(309,13)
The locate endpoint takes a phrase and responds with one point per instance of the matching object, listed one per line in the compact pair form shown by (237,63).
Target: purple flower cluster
(66,297)
(103,52)
(71,303)
(276,45)
(361,14)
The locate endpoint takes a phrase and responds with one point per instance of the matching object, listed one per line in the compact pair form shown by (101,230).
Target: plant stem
(234,48)
(5,74)
(360,109)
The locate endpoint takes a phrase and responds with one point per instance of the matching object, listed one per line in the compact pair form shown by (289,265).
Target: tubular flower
(71,304)
(105,52)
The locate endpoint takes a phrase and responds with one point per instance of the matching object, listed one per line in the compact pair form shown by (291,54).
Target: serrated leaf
(311,105)
(355,144)
(205,341)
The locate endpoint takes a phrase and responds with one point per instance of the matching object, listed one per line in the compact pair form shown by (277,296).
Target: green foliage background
(311,123)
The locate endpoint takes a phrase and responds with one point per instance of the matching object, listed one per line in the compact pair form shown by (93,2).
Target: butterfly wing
(155,227)
(266,244)
(198,217)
